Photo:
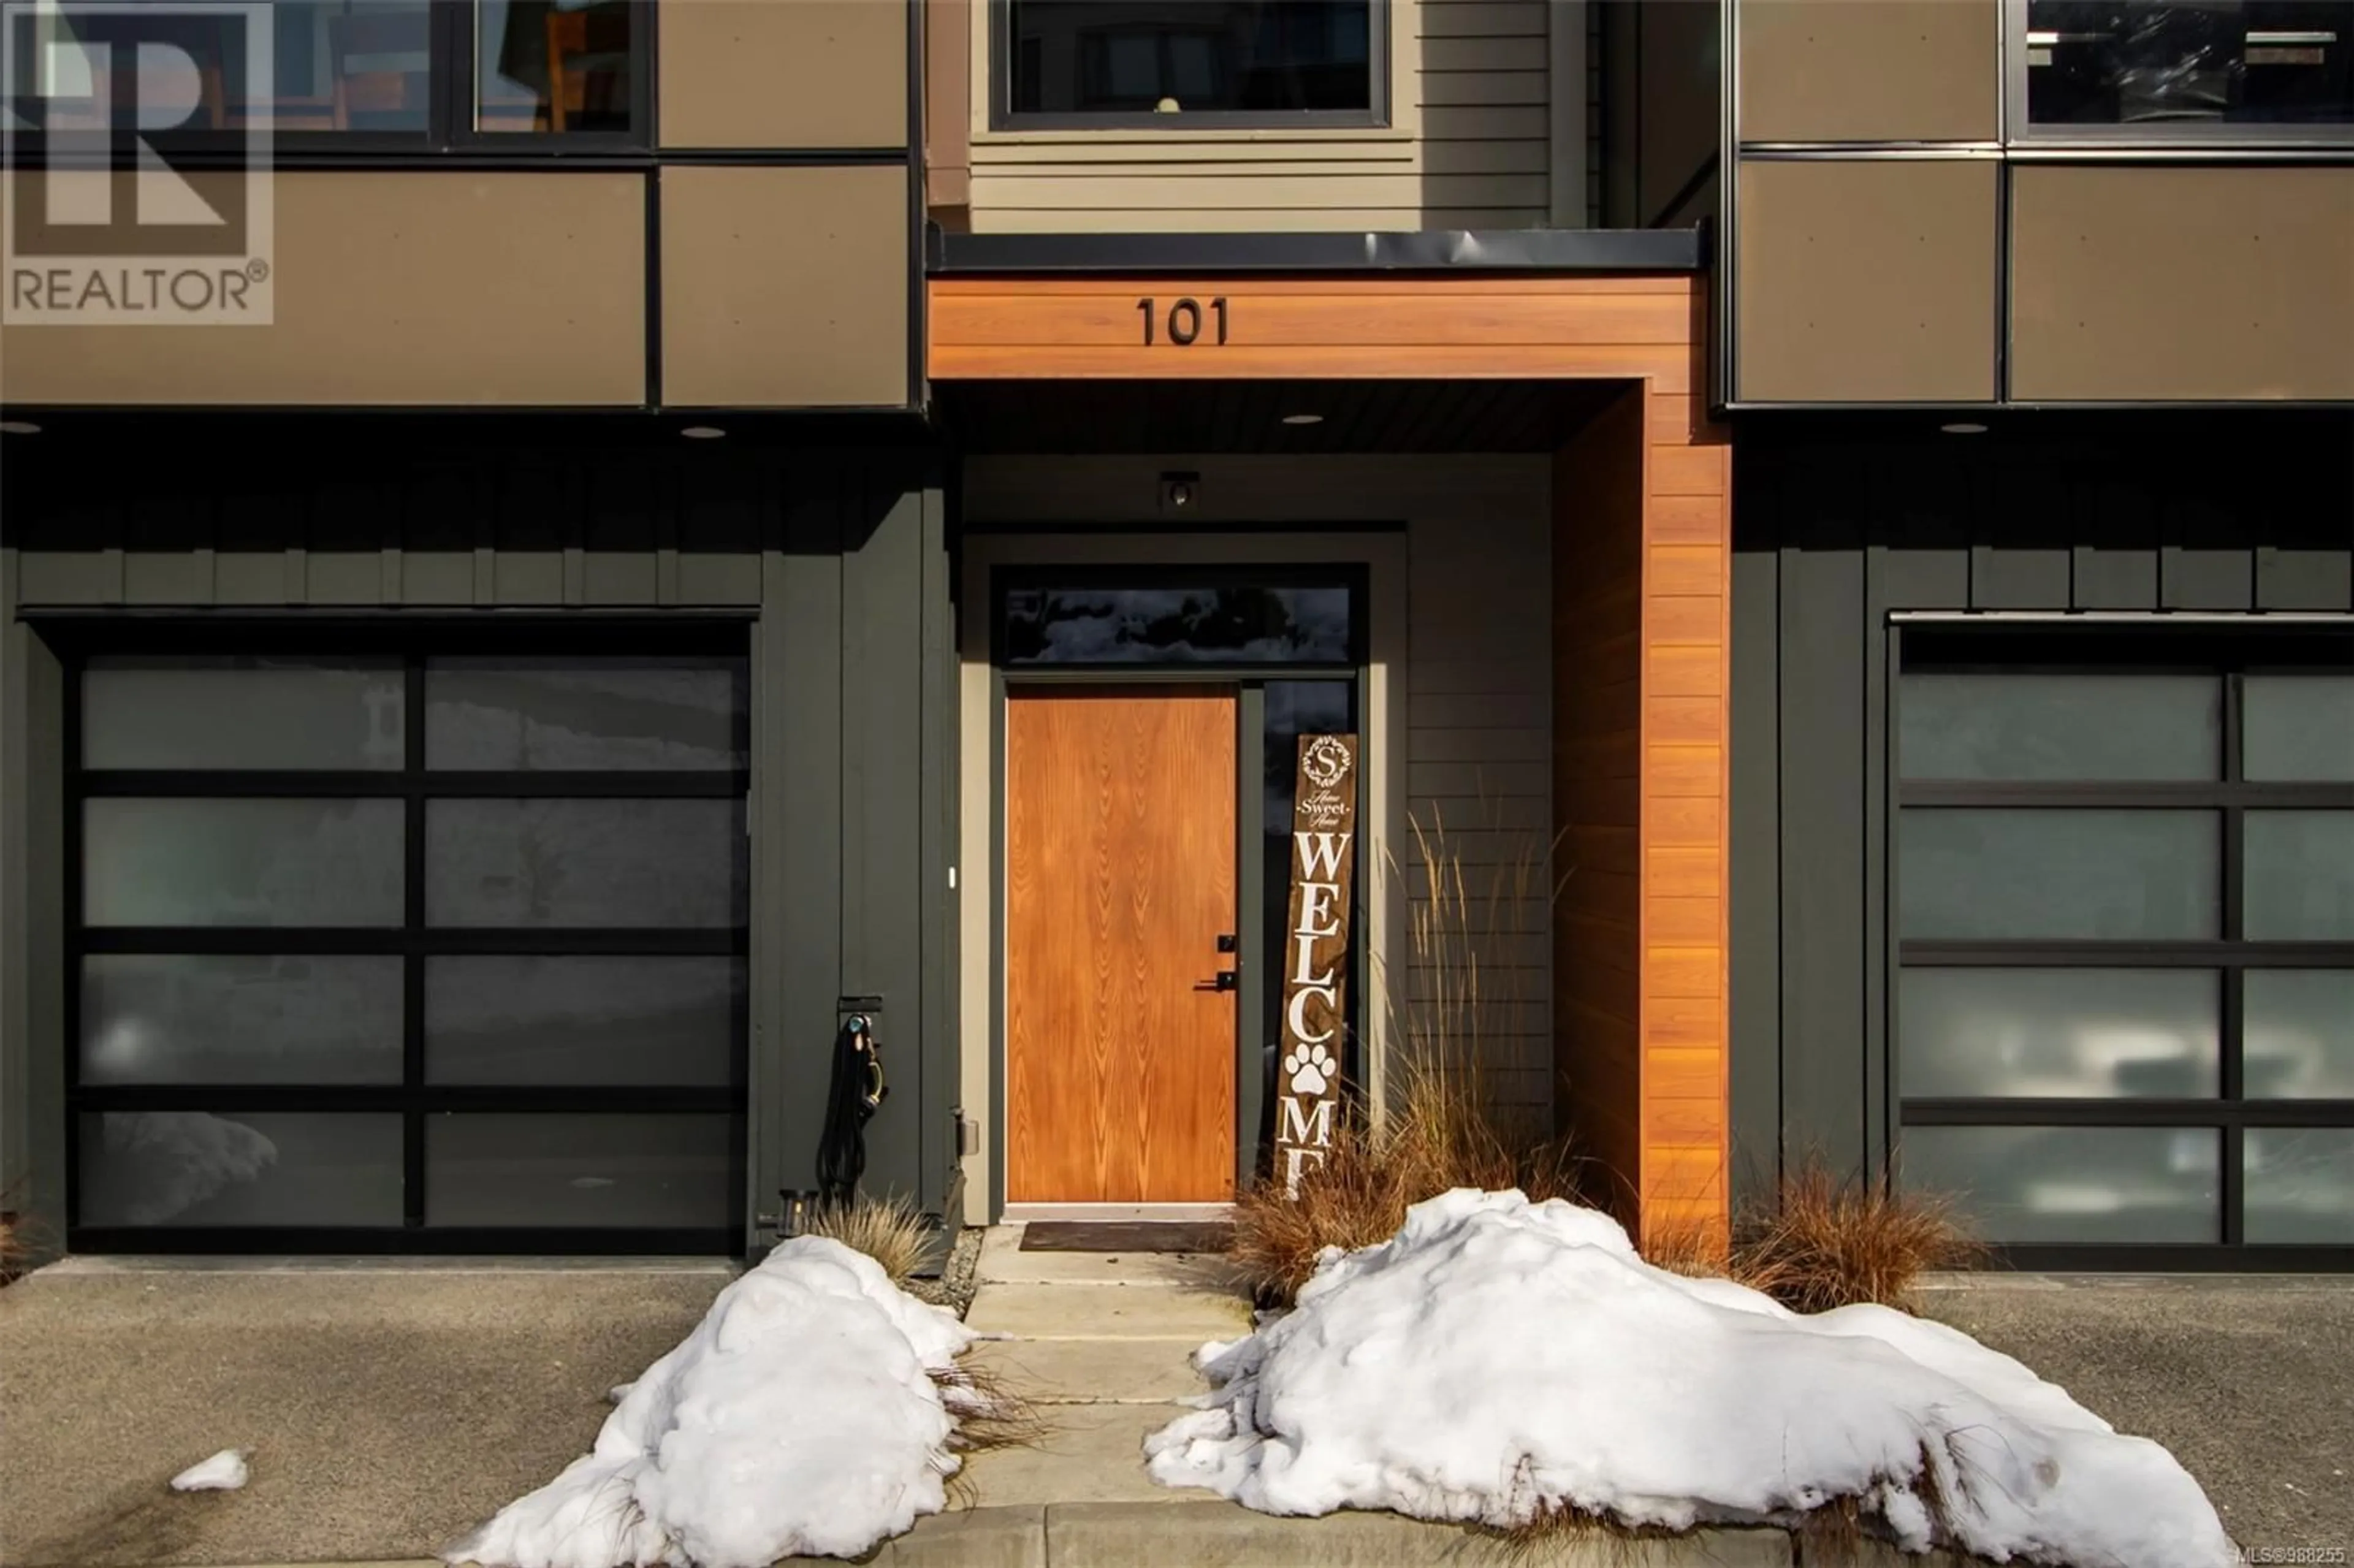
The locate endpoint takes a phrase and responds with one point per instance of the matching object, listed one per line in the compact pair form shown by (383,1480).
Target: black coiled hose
(856,1092)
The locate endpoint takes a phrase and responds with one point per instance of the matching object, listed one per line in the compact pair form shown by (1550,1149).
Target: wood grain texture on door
(1119,877)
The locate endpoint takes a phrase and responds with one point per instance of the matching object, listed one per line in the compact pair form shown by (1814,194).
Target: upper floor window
(401,74)
(1082,63)
(2248,69)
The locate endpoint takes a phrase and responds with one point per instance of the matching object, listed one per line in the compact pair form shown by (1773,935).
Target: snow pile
(1499,1361)
(799,1417)
(224,1472)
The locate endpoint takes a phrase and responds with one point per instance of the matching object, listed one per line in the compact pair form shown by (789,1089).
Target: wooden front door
(1119,879)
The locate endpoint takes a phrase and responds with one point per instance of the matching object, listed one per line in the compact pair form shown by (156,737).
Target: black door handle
(1226,980)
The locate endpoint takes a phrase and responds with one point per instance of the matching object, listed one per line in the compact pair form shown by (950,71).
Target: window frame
(450,132)
(2230,655)
(1375,116)
(415,1098)
(2018,129)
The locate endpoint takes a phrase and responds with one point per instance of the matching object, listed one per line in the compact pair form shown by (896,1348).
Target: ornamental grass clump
(1821,1241)
(1832,1241)
(888,1230)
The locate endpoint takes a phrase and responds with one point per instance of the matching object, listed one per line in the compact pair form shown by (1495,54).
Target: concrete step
(1212,1534)
(1090,1453)
(1107,1312)
(1219,1534)
(1094,1372)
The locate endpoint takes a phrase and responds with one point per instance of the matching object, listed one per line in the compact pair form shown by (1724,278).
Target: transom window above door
(1208,622)
(1190,63)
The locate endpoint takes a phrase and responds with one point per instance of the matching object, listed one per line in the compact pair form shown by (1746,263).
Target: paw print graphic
(1311,1069)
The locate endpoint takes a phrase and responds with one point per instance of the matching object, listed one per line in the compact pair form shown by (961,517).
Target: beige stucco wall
(1460,698)
(1474,141)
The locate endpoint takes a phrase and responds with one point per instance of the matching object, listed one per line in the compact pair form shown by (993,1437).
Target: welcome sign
(1323,867)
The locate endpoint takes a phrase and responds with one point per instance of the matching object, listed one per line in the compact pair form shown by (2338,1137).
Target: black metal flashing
(1437,250)
(76,428)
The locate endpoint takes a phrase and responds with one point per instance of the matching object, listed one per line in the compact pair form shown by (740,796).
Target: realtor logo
(138,188)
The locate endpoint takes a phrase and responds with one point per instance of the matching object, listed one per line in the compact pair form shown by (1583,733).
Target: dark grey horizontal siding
(1836,527)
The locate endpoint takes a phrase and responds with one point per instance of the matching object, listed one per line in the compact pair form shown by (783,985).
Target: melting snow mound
(1498,1360)
(800,1417)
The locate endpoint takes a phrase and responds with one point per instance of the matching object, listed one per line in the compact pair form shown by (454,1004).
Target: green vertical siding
(1838,527)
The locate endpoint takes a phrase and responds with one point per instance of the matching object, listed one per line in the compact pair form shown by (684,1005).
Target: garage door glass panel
(2116,727)
(2300,876)
(241,863)
(550,715)
(605,1170)
(2042,1184)
(186,1167)
(2298,1037)
(241,713)
(2299,1183)
(564,863)
(2299,727)
(651,1021)
(2060,1033)
(2018,874)
(236,1018)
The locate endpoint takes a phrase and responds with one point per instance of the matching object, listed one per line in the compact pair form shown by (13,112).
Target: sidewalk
(2248,1379)
(1101,1346)
(389,1406)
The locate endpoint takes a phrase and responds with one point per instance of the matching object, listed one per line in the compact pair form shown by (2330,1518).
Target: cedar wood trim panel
(1642,508)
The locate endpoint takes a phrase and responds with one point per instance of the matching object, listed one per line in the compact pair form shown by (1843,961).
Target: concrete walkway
(389,1405)
(1101,1344)
(2249,1379)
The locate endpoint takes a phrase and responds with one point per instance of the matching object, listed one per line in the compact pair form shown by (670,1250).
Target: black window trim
(413,1098)
(2229,652)
(1376,116)
(2175,134)
(449,134)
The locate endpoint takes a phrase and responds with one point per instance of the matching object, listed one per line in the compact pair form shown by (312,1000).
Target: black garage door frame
(413,640)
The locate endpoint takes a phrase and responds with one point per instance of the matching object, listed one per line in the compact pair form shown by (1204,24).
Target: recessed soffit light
(1963,428)
(1303,419)
(19,427)
(703,432)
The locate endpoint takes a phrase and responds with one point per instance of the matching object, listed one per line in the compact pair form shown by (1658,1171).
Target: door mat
(1127,1235)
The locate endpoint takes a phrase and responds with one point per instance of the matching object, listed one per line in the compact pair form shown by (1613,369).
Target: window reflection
(335,65)
(2300,1184)
(1193,56)
(2074,1183)
(1178,626)
(2298,1040)
(552,66)
(2140,62)
(2060,1033)
(246,1167)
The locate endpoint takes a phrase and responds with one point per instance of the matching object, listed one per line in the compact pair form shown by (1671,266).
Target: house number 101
(1183,321)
